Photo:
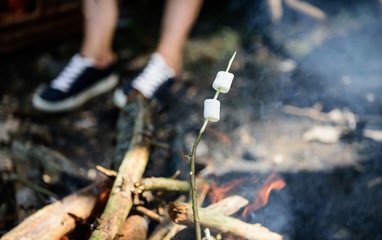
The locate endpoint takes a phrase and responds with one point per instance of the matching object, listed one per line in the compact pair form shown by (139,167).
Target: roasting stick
(211,113)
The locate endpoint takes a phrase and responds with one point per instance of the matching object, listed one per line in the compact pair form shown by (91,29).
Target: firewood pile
(121,204)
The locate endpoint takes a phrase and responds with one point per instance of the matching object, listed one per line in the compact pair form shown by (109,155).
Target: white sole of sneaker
(119,98)
(104,86)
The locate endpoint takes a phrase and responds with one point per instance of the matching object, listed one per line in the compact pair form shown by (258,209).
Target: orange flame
(217,193)
(272,182)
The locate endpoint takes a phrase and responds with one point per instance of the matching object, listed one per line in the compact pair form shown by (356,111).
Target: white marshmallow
(212,110)
(223,81)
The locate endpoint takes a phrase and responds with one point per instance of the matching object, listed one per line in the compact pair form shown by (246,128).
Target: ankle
(101,60)
(174,61)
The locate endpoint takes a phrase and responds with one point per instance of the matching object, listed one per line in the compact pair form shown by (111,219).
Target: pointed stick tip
(230,61)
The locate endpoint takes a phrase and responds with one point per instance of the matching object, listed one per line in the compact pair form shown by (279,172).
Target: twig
(14,176)
(176,174)
(106,172)
(164,184)
(161,145)
(153,215)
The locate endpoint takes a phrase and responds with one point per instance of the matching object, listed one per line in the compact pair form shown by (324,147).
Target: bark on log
(165,225)
(181,213)
(53,221)
(135,227)
(165,184)
(227,206)
(202,193)
(130,171)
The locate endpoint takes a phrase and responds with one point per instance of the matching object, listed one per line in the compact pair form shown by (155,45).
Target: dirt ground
(333,185)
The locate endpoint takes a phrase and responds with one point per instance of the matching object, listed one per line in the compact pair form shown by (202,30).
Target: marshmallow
(223,81)
(212,110)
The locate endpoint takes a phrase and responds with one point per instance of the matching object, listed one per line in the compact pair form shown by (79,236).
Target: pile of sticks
(125,214)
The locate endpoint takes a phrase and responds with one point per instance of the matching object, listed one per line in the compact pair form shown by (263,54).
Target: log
(54,221)
(181,213)
(130,171)
(165,225)
(202,193)
(227,206)
(135,227)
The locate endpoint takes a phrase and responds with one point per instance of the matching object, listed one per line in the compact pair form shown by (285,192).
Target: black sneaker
(76,84)
(155,80)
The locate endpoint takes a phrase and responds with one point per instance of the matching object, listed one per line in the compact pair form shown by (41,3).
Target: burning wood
(181,213)
(53,221)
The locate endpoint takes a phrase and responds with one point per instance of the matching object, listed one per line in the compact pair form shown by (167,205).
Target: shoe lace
(154,74)
(66,78)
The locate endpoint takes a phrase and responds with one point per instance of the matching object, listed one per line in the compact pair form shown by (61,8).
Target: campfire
(128,196)
(296,153)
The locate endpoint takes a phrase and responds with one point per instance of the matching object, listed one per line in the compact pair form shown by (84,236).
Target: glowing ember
(272,182)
